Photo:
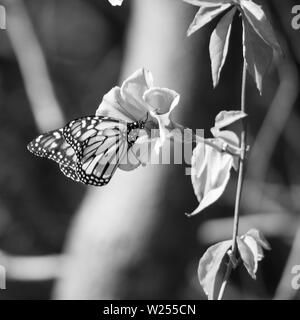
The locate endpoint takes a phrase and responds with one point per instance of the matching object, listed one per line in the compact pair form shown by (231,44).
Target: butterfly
(89,149)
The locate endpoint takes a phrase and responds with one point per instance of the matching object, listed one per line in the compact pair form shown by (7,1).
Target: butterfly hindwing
(70,172)
(53,145)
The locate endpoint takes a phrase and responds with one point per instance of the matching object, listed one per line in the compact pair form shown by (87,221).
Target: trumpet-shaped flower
(137,99)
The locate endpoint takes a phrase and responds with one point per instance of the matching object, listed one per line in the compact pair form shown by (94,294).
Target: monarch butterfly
(89,149)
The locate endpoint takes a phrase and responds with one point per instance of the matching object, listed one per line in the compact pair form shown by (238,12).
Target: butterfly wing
(99,143)
(70,172)
(53,145)
(89,149)
(78,131)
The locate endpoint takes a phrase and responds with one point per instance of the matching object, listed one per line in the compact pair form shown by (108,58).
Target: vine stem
(241,170)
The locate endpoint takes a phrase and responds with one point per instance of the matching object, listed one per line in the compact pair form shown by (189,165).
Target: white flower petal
(111,106)
(161,100)
(116,2)
(132,92)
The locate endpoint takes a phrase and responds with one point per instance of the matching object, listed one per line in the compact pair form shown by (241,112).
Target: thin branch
(30,268)
(241,162)
(239,186)
(45,108)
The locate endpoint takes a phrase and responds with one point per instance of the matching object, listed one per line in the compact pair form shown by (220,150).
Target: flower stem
(230,265)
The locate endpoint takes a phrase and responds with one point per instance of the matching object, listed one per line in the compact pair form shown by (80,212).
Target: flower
(137,99)
(259,40)
(116,2)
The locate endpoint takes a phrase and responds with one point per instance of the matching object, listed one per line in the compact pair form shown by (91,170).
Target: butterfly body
(88,149)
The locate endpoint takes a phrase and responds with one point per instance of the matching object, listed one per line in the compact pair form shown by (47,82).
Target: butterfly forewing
(78,132)
(99,143)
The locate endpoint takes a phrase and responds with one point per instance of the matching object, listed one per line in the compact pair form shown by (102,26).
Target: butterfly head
(133,129)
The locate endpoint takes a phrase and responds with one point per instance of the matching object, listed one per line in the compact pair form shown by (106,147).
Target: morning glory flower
(138,99)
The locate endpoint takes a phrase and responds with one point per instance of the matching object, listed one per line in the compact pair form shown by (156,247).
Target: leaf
(257,18)
(210,265)
(226,118)
(255,248)
(247,257)
(205,15)
(255,241)
(258,236)
(205,2)
(227,136)
(210,174)
(257,53)
(116,2)
(218,46)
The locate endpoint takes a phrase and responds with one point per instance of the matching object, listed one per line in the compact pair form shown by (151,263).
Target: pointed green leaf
(210,174)
(257,53)
(247,257)
(255,241)
(205,15)
(226,135)
(218,46)
(210,265)
(226,118)
(204,2)
(255,248)
(258,20)
(258,236)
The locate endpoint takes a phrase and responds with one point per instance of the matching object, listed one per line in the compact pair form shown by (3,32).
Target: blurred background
(131,239)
